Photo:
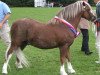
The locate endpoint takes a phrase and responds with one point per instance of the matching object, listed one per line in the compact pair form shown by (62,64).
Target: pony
(59,32)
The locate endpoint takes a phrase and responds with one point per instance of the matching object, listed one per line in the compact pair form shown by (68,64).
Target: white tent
(39,3)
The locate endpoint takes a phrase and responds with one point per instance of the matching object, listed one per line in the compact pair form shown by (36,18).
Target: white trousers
(98,43)
(4,34)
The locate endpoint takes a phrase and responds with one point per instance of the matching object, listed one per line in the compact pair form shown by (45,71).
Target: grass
(46,62)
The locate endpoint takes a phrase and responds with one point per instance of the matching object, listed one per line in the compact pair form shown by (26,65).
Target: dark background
(30,3)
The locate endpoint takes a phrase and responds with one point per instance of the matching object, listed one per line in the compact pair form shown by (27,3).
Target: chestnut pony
(59,32)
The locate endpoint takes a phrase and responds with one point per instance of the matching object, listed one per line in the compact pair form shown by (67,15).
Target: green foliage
(30,3)
(20,3)
(92,2)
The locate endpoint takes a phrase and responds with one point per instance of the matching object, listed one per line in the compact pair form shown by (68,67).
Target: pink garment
(84,24)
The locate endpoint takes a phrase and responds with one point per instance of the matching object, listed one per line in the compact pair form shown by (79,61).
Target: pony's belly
(44,45)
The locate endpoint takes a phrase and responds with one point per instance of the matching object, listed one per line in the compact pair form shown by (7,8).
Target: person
(52,4)
(84,26)
(97,22)
(5,13)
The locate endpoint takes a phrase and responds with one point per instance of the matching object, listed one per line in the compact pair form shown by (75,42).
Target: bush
(20,3)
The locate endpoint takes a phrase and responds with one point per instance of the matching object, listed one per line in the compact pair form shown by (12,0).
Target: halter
(69,25)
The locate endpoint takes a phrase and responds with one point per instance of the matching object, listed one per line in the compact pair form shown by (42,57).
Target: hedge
(30,3)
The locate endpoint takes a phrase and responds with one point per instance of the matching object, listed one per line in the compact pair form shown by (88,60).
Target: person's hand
(1,25)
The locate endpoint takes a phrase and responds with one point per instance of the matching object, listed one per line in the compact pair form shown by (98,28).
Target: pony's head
(87,12)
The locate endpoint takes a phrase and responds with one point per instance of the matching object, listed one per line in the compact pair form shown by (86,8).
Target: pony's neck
(75,21)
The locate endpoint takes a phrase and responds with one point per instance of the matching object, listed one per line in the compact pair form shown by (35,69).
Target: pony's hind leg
(7,58)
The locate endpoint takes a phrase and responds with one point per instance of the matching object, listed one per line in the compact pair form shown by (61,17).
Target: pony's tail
(20,55)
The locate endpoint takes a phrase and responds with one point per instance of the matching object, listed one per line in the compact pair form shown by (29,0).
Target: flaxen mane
(70,11)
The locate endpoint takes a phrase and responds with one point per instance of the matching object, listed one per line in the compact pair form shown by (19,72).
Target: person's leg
(85,40)
(6,38)
(98,46)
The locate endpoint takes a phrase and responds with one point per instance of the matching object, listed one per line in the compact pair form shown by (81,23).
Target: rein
(69,25)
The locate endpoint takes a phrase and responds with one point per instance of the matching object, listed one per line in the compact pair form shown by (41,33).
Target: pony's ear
(84,4)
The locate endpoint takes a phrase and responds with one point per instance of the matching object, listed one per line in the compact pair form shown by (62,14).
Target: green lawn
(47,62)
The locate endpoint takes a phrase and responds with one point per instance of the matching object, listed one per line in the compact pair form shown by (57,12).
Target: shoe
(82,50)
(88,53)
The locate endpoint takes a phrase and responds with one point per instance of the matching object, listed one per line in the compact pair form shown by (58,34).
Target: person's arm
(4,20)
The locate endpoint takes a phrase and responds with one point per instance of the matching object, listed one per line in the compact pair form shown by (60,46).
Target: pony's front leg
(18,64)
(7,58)
(69,66)
(62,70)
(62,60)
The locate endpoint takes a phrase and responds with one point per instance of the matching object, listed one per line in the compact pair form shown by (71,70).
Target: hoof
(18,69)
(72,71)
(19,66)
(63,73)
(4,74)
